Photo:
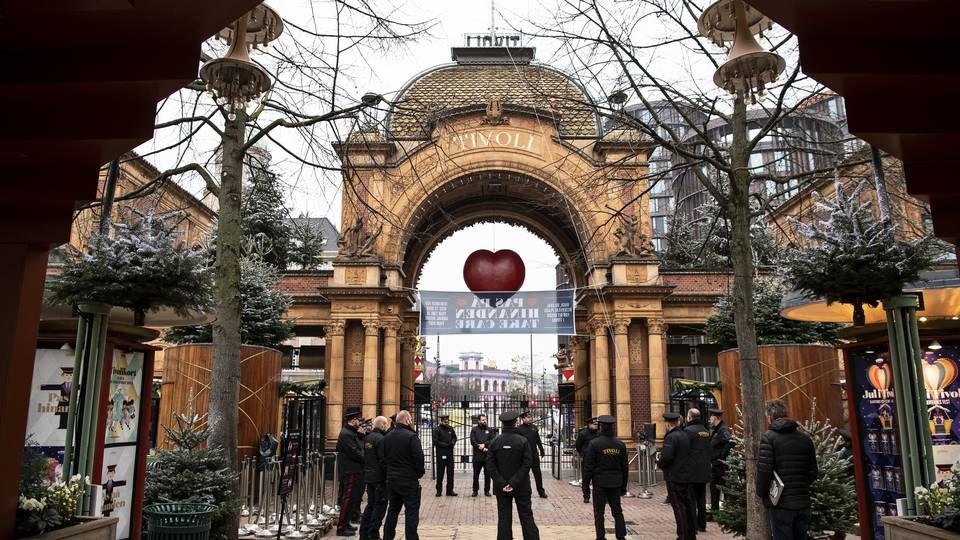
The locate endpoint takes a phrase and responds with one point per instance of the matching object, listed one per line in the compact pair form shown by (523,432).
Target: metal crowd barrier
(311,508)
(646,468)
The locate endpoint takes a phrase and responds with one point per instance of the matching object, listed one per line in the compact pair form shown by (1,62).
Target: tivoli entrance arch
(495,136)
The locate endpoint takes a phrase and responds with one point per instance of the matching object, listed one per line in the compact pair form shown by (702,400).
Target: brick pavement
(561,516)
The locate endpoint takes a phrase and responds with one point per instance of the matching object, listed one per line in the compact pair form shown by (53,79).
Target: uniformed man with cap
(605,466)
(721,443)
(584,436)
(536,445)
(508,462)
(480,437)
(350,462)
(700,457)
(444,440)
(676,473)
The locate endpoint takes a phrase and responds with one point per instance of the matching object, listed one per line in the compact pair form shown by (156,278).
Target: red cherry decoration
(486,271)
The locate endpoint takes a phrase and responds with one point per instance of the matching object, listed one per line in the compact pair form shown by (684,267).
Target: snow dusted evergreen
(771,327)
(704,243)
(263,308)
(144,266)
(307,247)
(854,258)
(263,215)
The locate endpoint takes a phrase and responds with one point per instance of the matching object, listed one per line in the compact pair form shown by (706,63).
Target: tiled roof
(323,227)
(458,86)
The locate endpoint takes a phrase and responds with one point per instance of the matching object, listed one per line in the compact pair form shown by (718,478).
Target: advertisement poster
(119,464)
(123,401)
(523,312)
(50,397)
(876,408)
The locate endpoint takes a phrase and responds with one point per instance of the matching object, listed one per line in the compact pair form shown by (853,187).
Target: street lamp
(234,79)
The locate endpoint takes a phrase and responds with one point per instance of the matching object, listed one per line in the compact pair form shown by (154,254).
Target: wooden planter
(898,528)
(87,529)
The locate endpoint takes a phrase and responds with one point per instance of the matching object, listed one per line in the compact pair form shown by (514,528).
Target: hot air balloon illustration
(879,375)
(938,373)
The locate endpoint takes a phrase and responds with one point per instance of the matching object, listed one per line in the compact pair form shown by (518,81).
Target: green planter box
(898,528)
(87,529)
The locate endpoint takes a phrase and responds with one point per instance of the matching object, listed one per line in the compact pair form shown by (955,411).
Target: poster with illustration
(50,397)
(123,401)
(116,479)
(872,389)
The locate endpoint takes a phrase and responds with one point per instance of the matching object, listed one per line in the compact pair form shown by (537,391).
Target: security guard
(480,437)
(375,478)
(676,473)
(509,462)
(351,461)
(700,454)
(721,443)
(584,436)
(405,467)
(605,464)
(536,445)
(444,440)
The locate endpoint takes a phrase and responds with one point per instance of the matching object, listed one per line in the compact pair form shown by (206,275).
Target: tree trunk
(741,256)
(225,373)
(859,315)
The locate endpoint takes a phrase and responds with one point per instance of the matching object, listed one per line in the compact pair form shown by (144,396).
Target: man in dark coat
(673,459)
(375,478)
(509,464)
(605,465)
(405,467)
(721,443)
(480,437)
(700,454)
(791,455)
(536,445)
(584,436)
(350,462)
(444,441)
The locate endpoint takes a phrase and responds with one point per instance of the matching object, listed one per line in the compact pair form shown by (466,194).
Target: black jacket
(791,454)
(584,436)
(700,452)
(349,451)
(374,467)
(509,462)
(403,455)
(721,443)
(605,462)
(480,436)
(674,456)
(444,439)
(533,437)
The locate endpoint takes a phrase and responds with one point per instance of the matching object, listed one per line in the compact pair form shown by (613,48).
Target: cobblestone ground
(561,516)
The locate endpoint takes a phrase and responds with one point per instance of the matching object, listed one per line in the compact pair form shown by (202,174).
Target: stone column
(659,399)
(581,376)
(371,380)
(621,349)
(601,375)
(406,369)
(334,330)
(390,399)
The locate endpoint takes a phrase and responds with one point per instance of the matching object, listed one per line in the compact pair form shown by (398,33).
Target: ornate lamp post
(748,68)
(235,79)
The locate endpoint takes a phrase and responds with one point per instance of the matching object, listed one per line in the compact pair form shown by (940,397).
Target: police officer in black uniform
(509,464)
(673,459)
(700,454)
(444,440)
(605,465)
(405,467)
(536,445)
(350,460)
(584,436)
(375,478)
(480,437)
(721,443)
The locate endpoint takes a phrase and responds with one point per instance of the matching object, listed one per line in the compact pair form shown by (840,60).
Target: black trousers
(445,463)
(584,486)
(406,496)
(601,498)
(698,492)
(537,475)
(479,466)
(375,510)
(349,498)
(714,498)
(684,510)
(524,511)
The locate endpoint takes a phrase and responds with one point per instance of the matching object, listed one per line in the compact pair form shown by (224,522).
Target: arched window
(486,386)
